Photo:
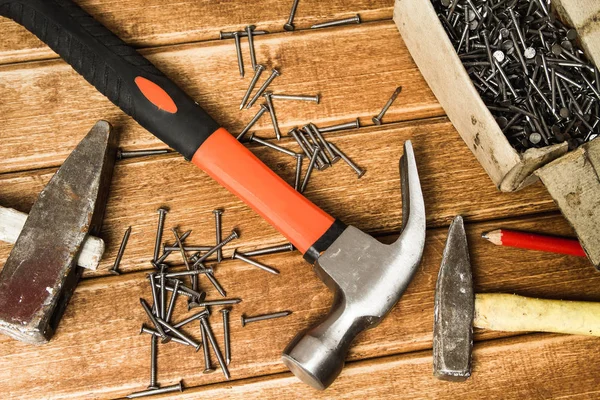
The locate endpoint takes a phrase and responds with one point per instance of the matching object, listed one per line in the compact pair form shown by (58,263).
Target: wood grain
(98,336)
(504,369)
(452,182)
(51,107)
(150,23)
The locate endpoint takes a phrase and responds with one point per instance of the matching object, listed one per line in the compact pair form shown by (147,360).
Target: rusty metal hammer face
(367,278)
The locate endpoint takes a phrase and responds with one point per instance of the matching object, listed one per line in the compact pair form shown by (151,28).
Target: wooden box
(510,170)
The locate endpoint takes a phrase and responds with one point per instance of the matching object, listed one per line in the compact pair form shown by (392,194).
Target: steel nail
(322,156)
(270,145)
(215,347)
(299,159)
(167,389)
(377,119)
(155,300)
(155,333)
(332,156)
(163,293)
(187,248)
(202,314)
(263,109)
(233,235)
(155,322)
(218,213)
(226,337)
(315,99)
(238,50)
(115,268)
(172,301)
(208,368)
(249,30)
(121,155)
(289,25)
(241,257)
(311,166)
(247,320)
(359,171)
(340,127)
(162,212)
(274,74)
(257,72)
(267,96)
(346,21)
(153,368)
(270,250)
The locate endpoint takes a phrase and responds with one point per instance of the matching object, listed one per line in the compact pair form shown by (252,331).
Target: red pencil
(534,241)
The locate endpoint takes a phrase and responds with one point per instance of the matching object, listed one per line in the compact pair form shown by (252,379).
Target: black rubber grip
(112,66)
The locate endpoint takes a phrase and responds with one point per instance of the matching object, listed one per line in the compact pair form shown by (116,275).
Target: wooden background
(46,108)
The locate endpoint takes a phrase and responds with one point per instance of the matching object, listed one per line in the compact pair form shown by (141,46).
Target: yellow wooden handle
(509,312)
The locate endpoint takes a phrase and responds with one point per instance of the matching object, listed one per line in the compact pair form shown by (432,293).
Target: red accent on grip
(232,165)
(156,95)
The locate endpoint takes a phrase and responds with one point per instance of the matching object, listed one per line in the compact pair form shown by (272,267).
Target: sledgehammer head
(368,278)
(453,312)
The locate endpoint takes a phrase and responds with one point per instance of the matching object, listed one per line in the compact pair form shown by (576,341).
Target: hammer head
(41,272)
(367,278)
(453,312)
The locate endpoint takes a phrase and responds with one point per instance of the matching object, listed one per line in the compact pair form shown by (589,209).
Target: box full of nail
(515,77)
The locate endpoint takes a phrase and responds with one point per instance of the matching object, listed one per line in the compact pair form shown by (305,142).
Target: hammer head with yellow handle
(457,310)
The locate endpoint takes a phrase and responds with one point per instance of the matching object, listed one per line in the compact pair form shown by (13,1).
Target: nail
(377,119)
(249,30)
(155,333)
(121,155)
(311,166)
(315,98)
(257,72)
(346,21)
(208,368)
(238,50)
(202,314)
(218,213)
(270,145)
(299,159)
(115,268)
(289,25)
(215,347)
(162,212)
(274,74)
(267,96)
(270,250)
(359,171)
(296,135)
(163,294)
(172,301)
(315,142)
(226,337)
(247,320)
(155,322)
(181,336)
(340,127)
(168,252)
(150,392)
(153,286)
(187,248)
(233,235)
(263,109)
(153,363)
(241,257)
(325,144)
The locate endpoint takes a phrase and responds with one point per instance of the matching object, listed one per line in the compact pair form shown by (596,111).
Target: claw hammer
(367,277)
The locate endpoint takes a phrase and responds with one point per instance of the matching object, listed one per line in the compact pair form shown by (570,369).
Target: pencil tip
(485,235)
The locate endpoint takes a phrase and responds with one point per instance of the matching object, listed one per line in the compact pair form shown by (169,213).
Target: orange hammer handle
(232,165)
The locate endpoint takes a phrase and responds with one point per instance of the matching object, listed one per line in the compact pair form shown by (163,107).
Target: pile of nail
(164,280)
(320,153)
(528,69)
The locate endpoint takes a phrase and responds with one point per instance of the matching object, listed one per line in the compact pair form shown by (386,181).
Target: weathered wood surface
(51,107)
(452,182)
(150,23)
(98,336)
(503,369)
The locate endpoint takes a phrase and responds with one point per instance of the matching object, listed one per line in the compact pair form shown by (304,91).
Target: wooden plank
(51,107)
(98,336)
(504,369)
(452,182)
(148,23)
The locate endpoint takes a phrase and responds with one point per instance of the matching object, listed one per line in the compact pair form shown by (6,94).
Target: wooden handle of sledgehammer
(513,313)
(11,224)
